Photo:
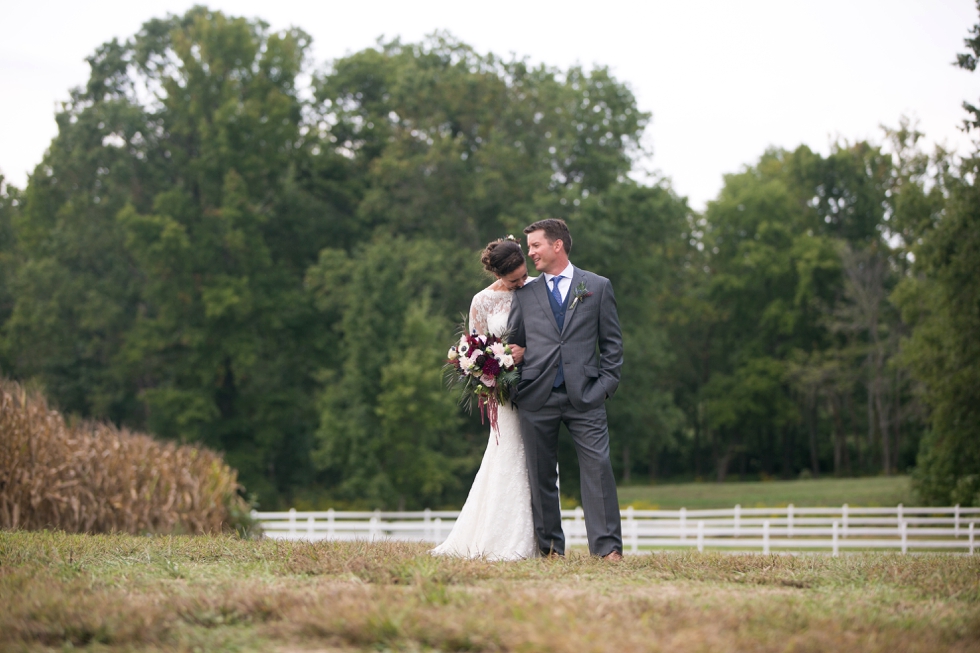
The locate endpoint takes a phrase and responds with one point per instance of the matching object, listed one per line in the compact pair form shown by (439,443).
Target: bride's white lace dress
(496,522)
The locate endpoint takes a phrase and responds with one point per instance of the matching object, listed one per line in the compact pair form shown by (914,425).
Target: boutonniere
(581,292)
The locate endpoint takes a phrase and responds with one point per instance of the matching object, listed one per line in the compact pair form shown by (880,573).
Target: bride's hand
(518,353)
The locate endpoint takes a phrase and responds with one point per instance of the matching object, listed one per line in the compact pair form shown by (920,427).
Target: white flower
(464,346)
(498,350)
(453,354)
(506,361)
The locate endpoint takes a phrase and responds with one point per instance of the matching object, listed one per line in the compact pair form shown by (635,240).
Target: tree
(942,301)
(453,142)
(178,262)
(637,237)
(165,240)
(943,352)
(968,61)
(8,207)
(798,274)
(389,432)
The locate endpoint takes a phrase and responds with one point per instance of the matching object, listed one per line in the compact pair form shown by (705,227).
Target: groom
(568,322)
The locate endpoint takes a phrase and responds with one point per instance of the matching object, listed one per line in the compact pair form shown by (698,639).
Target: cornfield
(90,477)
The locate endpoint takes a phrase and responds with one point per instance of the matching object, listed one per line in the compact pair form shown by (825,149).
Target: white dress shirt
(564,283)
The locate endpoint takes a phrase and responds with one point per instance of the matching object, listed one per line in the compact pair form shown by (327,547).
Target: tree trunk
(742,461)
(882,410)
(697,443)
(626,463)
(767,448)
(839,443)
(787,470)
(897,419)
(654,462)
(871,423)
(811,425)
(226,393)
(857,436)
(723,462)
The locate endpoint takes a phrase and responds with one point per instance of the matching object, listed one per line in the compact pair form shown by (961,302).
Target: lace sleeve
(478,314)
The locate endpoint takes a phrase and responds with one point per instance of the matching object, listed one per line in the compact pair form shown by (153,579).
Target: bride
(495,522)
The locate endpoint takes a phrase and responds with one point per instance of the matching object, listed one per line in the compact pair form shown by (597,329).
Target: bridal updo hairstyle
(502,257)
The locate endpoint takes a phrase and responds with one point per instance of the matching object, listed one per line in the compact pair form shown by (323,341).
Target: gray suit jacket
(590,345)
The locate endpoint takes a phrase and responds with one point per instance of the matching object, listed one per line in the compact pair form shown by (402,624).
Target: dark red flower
(491,367)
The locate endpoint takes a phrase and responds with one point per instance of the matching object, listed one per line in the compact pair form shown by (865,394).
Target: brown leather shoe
(614,556)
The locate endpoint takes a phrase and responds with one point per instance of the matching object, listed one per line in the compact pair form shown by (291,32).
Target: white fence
(744,529)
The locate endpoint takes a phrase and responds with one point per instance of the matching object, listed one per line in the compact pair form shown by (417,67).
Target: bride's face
(514,280)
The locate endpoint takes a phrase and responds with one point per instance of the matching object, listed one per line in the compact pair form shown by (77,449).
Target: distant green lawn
(876,491)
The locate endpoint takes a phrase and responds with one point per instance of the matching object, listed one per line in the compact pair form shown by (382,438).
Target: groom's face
(544,254)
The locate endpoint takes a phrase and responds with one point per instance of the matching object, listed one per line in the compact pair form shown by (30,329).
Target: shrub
(90,477)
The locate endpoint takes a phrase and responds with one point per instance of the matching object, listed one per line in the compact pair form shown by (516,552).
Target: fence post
(834,545)
(292,521)
(700,536)
(373,531)
(331,530)
(971,538)
(903,526)
(765,537)
(683,524)
(843,512)
(956,520)
(789,521)
(426,520)
(738,517)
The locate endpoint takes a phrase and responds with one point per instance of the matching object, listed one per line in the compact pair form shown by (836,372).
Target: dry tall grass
(90,477)
(217,593)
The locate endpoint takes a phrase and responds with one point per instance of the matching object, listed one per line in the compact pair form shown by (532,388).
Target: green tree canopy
(227,244)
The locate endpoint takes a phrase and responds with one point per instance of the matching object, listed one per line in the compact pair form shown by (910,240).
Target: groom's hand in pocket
(518,353)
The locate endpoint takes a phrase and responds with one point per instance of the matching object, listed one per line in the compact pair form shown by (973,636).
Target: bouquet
(483,367)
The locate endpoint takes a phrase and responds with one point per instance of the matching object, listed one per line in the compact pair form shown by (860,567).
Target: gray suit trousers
(600,502)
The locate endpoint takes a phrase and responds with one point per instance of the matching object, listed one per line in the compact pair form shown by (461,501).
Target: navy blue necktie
(560,377)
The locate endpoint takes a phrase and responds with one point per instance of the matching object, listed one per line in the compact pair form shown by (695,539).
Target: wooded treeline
(227,244)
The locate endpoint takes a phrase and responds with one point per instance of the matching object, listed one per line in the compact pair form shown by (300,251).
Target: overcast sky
(724,79)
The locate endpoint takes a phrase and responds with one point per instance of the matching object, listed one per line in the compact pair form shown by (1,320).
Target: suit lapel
(541,294)
(577,278)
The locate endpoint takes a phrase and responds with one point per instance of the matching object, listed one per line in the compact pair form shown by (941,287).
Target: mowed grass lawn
(126,593)
(874,491)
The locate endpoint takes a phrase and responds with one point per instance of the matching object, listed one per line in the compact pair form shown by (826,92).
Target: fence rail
(745,529)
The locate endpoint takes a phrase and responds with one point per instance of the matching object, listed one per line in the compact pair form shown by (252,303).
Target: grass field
(874,491)
(124,593)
